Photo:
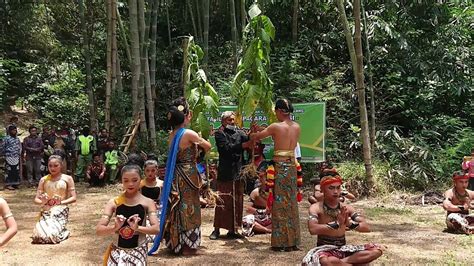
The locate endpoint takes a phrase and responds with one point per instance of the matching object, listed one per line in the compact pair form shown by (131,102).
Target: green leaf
(201,75)
(268,26)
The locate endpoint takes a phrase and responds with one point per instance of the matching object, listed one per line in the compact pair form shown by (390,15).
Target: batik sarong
(313,256)
(228,212)
(126,256)
(285,215)
(51,227)
(460,223)
(183,221)
(248,222)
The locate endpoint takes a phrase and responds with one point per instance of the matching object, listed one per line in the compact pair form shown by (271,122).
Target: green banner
(310,116)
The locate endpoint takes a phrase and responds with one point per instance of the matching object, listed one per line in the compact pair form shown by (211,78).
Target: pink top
(469,165)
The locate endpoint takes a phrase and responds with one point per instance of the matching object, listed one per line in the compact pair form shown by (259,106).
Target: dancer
(181,214)
(329,220)
(131,209)
(55,191)
(457,203)
(9,221)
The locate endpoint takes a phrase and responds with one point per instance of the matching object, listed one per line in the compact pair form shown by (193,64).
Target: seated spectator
(95,173)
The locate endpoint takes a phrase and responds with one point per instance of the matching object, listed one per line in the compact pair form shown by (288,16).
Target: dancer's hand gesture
(133,221)
(44,198)
(119,221)
(343,217)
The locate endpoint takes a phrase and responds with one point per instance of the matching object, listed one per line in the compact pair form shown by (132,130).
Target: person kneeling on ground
(329,220)
(95,173)
(258,221)
(457,202)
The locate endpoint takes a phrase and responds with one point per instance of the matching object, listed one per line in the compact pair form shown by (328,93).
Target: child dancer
(151,185)
(131,209)
(55,192)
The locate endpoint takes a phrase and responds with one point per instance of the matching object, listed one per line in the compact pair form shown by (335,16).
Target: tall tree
(87,59)
(358,69)
(154,21)
(243,15)
(371,84)
(108,83)
(168,26)
(193,21)
(135,53)
(199,19)
(294,23)
(233,25)
(205,11)
(143,38)
(123,35)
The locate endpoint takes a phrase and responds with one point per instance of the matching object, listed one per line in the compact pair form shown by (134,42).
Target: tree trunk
(87,59)
(135,43)
(294,24)
(154,21)
(108,82)
(124,37)
(205,12)
(143,71)
(193,22)
(361,97)
(199,19)
(168,23)
(119,77)
(150,105)
(233,25)
(185,74)
(114,46)
(243,15)
(371,86)
(347,34)
(357,67)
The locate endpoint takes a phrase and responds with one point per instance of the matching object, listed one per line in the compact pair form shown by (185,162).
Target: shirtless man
(457,202)
(329,220)
(285,216)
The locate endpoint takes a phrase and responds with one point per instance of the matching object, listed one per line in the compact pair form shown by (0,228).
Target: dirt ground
(413,234)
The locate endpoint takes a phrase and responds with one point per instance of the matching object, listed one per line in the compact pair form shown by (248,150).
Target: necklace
(459,196)
(332,212)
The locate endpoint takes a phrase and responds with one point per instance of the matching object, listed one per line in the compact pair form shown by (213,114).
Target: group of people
(169,210)
(87,156)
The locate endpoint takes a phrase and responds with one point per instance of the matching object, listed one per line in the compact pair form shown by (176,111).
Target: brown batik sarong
(183,222)
(228,213)
(285,216)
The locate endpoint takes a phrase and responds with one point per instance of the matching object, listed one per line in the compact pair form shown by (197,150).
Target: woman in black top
(151,185)
(131,210)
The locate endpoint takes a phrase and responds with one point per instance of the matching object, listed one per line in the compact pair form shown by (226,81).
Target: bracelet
(8,215)
(333,225)
(461,208)
(353,225)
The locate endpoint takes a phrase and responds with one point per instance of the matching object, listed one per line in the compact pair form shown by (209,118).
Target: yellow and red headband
(329,180)
(460,176)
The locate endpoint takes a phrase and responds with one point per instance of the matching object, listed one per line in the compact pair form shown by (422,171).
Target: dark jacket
(229,146)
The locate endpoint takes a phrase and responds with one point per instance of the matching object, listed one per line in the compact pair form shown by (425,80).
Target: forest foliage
(421,56)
